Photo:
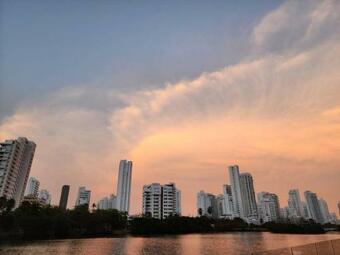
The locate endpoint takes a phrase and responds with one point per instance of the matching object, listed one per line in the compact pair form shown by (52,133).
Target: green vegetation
(304,227)
(33,221)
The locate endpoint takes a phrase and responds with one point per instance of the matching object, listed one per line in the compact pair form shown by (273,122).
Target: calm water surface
(206,244)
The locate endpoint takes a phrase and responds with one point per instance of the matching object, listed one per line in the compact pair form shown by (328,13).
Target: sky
(183,89)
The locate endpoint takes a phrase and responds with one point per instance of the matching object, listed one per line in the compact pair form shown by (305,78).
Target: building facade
(44,197)
(324,211)
(161,201)
(107,203)
(65,190)
(33,187)
(269,207)
(313,206)
(234,178)
(207,205)
(248,197)
(124,186)
(295,203)
(16,158)
(84,196)
(228,202)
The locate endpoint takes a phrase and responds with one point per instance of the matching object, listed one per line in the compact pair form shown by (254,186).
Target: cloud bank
(276,114)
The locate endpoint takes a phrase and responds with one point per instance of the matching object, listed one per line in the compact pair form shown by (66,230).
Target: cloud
(276,115)
(298,25)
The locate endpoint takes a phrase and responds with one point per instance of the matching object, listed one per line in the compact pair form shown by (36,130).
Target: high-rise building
(107,203)
(178,202)
(234,177)
(124,186)
(313,206)
(44,197)
(333,219)
(152,200)
(294,203)
(83,197)
(248,197)
(243,195)
(207,205)
(161,201)
(16,158)
(65,190)
(284,212)
(32,187)
(324,211)
(269,207)
(305,211)
(228,202)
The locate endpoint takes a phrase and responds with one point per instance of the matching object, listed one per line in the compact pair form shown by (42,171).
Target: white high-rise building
(152,200)
(248,197)
(269,207)
(32,187)
(83,197)
(228,202)
(324,211)
(16,158)
(243,195)
(207,205)
(313,206)
(107,203)
(161,201)
(234,177)
(178,202)
(305,211)
(124,186)
(44,197)
(294,203)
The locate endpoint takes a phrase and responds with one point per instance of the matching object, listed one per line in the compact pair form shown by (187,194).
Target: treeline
(33,221)
(303,227)
(184,225)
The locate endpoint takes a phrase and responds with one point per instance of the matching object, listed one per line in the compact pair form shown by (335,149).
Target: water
(193,244)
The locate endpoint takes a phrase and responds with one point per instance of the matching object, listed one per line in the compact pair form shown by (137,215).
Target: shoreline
(19,239)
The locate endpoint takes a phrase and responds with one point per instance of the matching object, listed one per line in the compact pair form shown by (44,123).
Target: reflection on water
(195,244)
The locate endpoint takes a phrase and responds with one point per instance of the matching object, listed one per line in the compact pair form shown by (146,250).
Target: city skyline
(238,198)
(161,201)
(183,98)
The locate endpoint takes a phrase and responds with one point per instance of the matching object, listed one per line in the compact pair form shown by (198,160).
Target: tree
(10,204)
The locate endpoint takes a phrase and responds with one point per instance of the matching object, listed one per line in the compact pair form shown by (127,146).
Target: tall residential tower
(65,190)
(83,197)
(16,158)
(32,187)
(124,186)
(161,201)
(313,206)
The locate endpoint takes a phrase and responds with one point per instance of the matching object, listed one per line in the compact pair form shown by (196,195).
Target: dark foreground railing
(331,247)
